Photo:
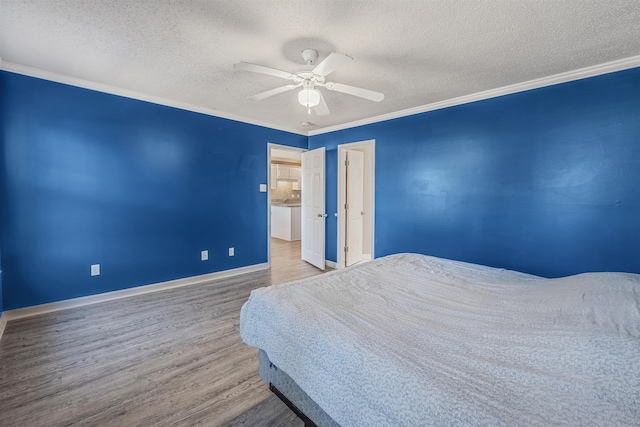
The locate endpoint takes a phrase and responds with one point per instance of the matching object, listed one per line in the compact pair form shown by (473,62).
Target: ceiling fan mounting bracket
(309,55)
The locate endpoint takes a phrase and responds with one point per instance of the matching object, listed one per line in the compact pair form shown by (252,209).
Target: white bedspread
(412,340)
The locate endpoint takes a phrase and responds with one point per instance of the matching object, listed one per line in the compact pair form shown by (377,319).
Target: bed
(413,340)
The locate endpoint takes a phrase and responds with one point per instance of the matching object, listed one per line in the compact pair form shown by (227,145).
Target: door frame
(342,181)
(271,145)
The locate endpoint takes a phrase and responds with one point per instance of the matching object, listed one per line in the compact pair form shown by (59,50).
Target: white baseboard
(125,293)
(332,264)
(3,323)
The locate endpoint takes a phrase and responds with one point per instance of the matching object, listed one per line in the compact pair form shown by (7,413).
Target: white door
(355,206)
(313,214)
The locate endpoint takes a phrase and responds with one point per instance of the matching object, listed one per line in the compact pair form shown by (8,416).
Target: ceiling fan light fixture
(309,97)
(309,77)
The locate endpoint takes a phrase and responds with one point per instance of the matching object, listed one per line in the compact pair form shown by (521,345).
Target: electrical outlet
(263,188)
(232,252)
(204,255)
(95,269)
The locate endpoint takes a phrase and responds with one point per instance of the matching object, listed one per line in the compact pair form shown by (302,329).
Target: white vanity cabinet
(285,222)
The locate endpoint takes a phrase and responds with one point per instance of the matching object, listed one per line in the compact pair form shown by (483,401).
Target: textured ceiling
(415,52)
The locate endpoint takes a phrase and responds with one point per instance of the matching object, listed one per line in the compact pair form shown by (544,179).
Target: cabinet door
(294,173)
(283,171)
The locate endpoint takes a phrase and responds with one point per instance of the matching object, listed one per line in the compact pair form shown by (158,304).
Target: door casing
(370,156)
(270,146)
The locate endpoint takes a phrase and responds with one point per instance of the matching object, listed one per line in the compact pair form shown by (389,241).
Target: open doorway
(284,199)
(356,204)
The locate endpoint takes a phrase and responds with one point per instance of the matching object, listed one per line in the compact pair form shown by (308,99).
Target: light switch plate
(204,255)
(232,252)
(263,188)
(95,269)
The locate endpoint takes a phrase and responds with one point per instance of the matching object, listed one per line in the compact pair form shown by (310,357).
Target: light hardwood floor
(170,358)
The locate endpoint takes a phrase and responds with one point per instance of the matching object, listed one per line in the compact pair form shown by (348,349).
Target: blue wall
(137,187)
(545,181)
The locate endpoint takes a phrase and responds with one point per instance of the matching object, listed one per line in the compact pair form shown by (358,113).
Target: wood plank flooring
(170,358)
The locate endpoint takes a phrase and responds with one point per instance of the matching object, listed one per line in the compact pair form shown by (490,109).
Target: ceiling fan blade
(356,91)
(331,63)
(321,109)
(272,92)
(262,70)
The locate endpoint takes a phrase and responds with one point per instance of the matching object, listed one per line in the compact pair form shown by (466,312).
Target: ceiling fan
(309,78)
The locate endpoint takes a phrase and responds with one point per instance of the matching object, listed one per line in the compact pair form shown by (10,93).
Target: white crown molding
(582,73)
(125,293)
(99,87)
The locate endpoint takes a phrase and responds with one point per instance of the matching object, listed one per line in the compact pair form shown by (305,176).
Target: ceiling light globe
(309,97)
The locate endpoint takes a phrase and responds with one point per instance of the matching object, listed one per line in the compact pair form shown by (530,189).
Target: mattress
(415,340)
(279,379)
